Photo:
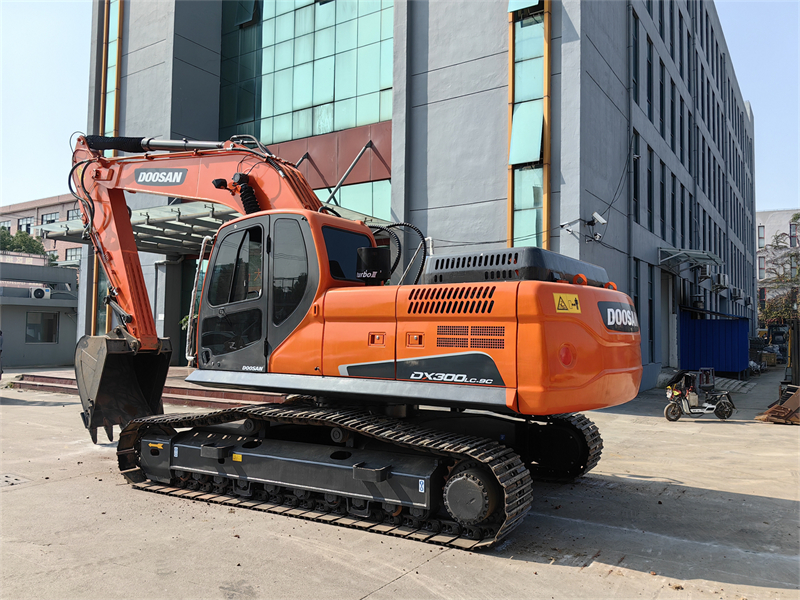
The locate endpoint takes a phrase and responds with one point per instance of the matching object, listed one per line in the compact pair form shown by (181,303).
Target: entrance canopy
(672,257)
(173,229)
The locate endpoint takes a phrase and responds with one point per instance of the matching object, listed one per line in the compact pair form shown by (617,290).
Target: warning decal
(567,303)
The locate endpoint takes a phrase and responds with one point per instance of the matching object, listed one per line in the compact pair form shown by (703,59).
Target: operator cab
(263,277)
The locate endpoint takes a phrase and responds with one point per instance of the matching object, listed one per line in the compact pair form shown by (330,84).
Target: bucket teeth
(110,432)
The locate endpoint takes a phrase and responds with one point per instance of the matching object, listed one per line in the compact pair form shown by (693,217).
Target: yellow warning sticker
(567,303)
(159,446)
(237,458)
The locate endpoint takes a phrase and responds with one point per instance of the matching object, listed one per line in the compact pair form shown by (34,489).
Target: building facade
(485,124)
(778,254)
(29,216)
(38,311)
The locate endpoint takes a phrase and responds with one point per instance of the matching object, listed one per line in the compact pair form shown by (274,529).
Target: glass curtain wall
(525,151)
(369,198)
(292,69)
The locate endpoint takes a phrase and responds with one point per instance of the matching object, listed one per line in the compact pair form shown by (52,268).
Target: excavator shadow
(6,399)
(620,524)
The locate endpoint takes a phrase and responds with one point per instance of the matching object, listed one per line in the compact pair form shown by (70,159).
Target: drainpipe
(630,160)
(546,127)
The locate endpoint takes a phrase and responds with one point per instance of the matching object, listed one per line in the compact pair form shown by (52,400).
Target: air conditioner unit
(736,293)
(705,272)
(749,301)
(40,293)
(722,280)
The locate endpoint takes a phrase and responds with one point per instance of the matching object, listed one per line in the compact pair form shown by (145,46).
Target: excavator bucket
(117,385)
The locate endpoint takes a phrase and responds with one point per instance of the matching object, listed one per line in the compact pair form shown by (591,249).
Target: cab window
(237,273)
(341,246)
(290,269)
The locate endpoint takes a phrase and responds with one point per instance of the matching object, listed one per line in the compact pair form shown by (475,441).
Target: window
(680,134)
(49,218)
(661,18)
(231,332)
(5,225)
(41,328)
(74,213)
(289,269)
(762,267)
(635,69)
(661,105)
(651,313)
(683,217)
(238,269)
(672,116)
(636,159)
(341,247)
(762,298)
(635,292)
(663,202)
(794,267)
(680,43)
(793,235)
(649,79)
(761,239)
(672,31)
(650,189)
(73,254)
(528,116)
(674,212)
(689,58)
(25,224)
(528,206)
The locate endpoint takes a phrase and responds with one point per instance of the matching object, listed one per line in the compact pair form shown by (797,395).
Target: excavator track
(583,432)
(508,469)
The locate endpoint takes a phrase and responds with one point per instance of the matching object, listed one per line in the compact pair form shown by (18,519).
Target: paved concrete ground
(693,509)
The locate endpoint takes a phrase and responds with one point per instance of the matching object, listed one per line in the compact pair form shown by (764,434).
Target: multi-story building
(778,253)
(491,124)
(28,216)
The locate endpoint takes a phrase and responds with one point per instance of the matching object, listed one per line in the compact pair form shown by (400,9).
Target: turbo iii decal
(160,177)
(619,316)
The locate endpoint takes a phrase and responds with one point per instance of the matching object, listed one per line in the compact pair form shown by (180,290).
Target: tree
(25,242)
(782,277)
(6,239)
(779,309)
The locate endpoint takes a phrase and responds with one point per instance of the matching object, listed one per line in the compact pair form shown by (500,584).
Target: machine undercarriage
(427,475)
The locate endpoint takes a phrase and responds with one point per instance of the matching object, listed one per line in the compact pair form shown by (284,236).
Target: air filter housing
(511,264)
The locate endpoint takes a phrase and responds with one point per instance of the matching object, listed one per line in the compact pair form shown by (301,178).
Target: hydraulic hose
(422,238)
(396,239)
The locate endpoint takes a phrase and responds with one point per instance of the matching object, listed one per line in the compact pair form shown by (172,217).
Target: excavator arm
(120,375)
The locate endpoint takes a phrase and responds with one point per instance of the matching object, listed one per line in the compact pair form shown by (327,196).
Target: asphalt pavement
(692,509)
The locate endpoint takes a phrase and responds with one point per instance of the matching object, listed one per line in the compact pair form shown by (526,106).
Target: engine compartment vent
(480,336)
(514,264)
(451,300)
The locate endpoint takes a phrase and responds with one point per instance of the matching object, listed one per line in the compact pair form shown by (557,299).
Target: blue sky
(45,76)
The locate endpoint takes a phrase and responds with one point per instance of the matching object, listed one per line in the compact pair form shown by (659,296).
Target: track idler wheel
(471,495)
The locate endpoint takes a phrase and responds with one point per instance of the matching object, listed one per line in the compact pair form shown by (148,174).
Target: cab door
(233,315)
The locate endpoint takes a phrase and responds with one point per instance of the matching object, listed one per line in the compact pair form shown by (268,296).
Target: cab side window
(238,270)
(290,269)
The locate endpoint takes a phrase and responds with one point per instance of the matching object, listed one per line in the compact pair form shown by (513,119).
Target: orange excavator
(422,409)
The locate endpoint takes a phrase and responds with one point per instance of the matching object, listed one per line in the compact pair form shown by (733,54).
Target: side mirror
(373,265)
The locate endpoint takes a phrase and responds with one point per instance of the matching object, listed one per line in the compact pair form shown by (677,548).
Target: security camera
(598,218)
(597,237)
